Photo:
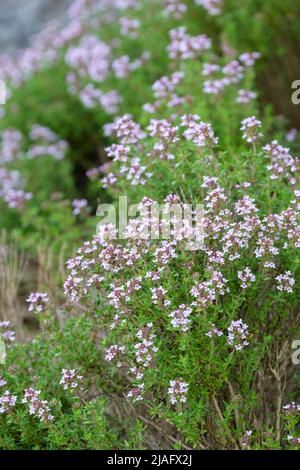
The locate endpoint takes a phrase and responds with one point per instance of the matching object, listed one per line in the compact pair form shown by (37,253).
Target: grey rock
(21,19)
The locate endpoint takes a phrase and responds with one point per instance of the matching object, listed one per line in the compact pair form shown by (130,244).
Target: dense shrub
(191,333)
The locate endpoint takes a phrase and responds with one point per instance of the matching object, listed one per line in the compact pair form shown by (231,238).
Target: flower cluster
(200,133)
(115,352)
(122,66)
(6,333)
(11,183)
(245,96)
(7,402)
(91,97)
(294,441)
(206,292)
(46,142)
(238,334)
(37,302)
(183,46)
(164,92)
(129,27)
(250,127)
(79,206)
(145,348)
(247,277)
(180,317)
(125,129)
(70,379)
(37,407)
(91,59)
(158,296)
(285,282)
(245,441)
(174,9)
(221,76)
(214,331)
(2,382)
(292,135)
(291,408)
(213,7)
(178,391)
(249,58)
(11,146)
(167,137)
(282,163)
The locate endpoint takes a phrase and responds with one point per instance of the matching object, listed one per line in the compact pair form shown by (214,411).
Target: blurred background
(272,26)
(20,19)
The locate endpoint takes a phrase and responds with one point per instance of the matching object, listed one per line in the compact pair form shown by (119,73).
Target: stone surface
(21,19)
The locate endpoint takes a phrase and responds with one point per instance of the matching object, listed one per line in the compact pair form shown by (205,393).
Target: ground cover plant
(174,332)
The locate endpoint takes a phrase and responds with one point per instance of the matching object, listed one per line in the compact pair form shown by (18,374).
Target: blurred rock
(21,19)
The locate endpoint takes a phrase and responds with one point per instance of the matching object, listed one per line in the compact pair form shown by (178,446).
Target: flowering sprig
(246,277)
(79,206)
(177,391)
(238,334)
(213,7)
(38,302)
(6,333)
(37,407)
(285,282)
(250,127)
(291,408)
(214,331)
(70,379)
(183,46)
(7,402)
(180,317)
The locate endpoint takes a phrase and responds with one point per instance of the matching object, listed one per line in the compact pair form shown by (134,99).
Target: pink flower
(291,135)
(7,402)
(285,282)
(213,7)
(214,331)
(115,352)
(37,302)
(250,127)
(129,27)
(246,277)
(180,317)
(183,46)
(37,406)
(291,408)
(79,205)
(178,391)
(70,379)
(5,332)
(237,334)
(245,96)
(174,8)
